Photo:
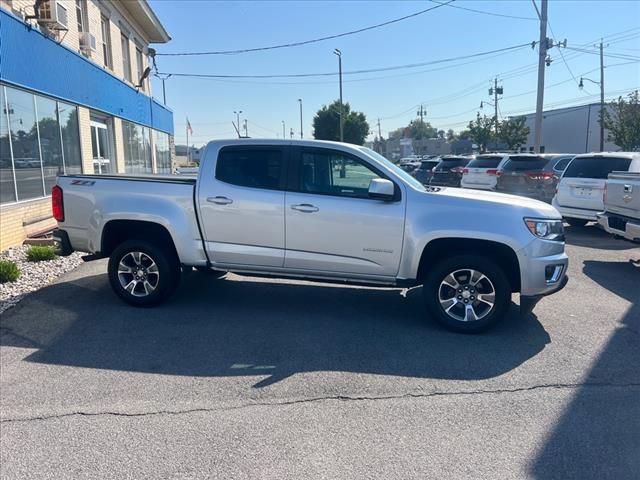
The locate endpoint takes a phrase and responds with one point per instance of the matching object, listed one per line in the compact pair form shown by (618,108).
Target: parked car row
(574,184)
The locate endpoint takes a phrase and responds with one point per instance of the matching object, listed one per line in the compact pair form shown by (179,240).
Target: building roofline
(146,18)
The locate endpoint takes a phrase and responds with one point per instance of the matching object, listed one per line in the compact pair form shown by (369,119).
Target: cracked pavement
(254,378)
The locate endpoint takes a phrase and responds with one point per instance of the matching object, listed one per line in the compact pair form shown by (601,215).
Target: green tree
(481,131)
(326,124)
(513,132)
(419,130)
(451,135)
(441,134)
(623,122)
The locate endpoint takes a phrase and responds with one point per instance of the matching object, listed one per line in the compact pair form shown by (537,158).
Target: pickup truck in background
(313,210)
(621,215)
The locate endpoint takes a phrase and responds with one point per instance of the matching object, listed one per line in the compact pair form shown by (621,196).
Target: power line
(620,57)
(353,72)
(484,12)
(315,40)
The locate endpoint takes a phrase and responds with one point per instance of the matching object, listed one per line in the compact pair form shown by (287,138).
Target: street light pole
(300,101)
(339,54)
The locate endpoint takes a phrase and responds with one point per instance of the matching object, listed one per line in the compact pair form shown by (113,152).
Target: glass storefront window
(7,187)
(24,140)
(68,115)
(163,154)
(39,139)
(50,141)
(137,148)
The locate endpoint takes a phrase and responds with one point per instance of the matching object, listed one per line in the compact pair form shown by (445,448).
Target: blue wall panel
(33,61)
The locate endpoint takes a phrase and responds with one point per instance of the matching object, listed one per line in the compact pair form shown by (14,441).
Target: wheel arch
(115,232)
(503,255)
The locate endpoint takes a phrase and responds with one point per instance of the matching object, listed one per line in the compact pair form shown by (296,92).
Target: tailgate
(623,197)
(585,193)
(478,176)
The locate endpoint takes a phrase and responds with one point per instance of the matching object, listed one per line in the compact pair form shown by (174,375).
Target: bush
(39,253)
(9,271)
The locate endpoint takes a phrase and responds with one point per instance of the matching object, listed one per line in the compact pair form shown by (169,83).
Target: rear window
(448,163)
(428,165)
(250,167)
(485,162)
(596,167)
(523,163)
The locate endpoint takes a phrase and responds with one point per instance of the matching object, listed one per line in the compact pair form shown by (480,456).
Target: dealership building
(75,97)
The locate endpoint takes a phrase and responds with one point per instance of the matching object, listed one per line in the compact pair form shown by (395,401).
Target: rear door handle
(219,200)
(305,207)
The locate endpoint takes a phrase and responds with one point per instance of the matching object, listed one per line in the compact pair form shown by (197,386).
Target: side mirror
(382,189)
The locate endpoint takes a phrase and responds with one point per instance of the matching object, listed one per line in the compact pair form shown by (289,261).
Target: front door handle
(305,207)
(219,200)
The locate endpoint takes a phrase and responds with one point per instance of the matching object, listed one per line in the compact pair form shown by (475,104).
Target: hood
(481,198)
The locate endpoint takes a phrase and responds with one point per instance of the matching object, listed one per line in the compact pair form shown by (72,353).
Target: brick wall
(35,213)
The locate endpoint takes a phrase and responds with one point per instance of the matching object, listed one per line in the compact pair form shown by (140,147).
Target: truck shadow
(592,236)
(233,327)
(598,436)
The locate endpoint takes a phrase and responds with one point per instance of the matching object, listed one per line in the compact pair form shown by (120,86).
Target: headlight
(546,229)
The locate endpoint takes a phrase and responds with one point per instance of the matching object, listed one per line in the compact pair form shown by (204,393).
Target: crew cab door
(242,206)
(331,223)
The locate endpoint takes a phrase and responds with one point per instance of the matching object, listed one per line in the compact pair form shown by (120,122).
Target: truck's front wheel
(143,274)
(466,293)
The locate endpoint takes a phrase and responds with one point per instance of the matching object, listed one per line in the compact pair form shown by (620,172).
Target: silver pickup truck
(322,211)
(621,215)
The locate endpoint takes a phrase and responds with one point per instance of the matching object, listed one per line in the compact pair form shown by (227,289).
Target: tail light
(57,203)
(540,175)
(465,171)
(494,171)
(457,170)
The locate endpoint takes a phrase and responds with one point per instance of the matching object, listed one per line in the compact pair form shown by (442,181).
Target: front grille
(617,223)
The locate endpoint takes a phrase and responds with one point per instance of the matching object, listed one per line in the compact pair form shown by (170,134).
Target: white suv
(580,192)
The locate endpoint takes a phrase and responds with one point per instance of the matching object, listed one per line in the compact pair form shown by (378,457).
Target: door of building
(101,147)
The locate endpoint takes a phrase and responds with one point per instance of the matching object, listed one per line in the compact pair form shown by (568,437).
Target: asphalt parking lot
(253,378)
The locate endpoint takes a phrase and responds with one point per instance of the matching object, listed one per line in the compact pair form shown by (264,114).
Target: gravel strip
(33,275)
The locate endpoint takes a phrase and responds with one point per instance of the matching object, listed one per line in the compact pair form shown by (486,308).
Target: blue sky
(450,95)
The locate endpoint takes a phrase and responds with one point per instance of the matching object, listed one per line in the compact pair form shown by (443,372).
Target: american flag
(189,129)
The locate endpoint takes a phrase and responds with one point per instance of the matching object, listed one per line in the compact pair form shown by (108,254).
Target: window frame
(126,57)
(294,179)
(284,154)
(140,66)
(107,49)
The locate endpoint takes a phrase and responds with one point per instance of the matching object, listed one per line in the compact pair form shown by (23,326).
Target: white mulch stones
(33,275)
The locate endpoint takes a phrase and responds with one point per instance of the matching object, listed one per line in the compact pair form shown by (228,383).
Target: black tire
(165,283)
(210,272)
(576,222)
(488,316)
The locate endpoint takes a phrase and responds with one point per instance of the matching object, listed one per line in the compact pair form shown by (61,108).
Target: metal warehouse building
(72,101)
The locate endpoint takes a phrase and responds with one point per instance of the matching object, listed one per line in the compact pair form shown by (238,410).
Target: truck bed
(623,194)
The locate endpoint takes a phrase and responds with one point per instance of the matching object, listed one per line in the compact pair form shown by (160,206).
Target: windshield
(596,167)
(393,167)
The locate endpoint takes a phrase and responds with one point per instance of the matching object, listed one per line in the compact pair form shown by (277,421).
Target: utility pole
(542,56)
(246,129)
(495,91)
(379,131)
(339,54)
(421,113)
(291,133)
(601,98)
(300,101)
(237,126)
(283,134)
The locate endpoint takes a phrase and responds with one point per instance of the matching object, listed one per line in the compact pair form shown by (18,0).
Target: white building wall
(570,130)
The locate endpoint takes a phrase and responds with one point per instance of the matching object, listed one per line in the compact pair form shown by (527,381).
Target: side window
(255,167)
(332,173)
(562,164)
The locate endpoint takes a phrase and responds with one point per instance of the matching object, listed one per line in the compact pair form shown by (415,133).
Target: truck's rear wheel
(467,294)
(143,274)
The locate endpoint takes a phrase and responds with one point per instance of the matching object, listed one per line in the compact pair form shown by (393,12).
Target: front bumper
(543,268)
(62,239)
